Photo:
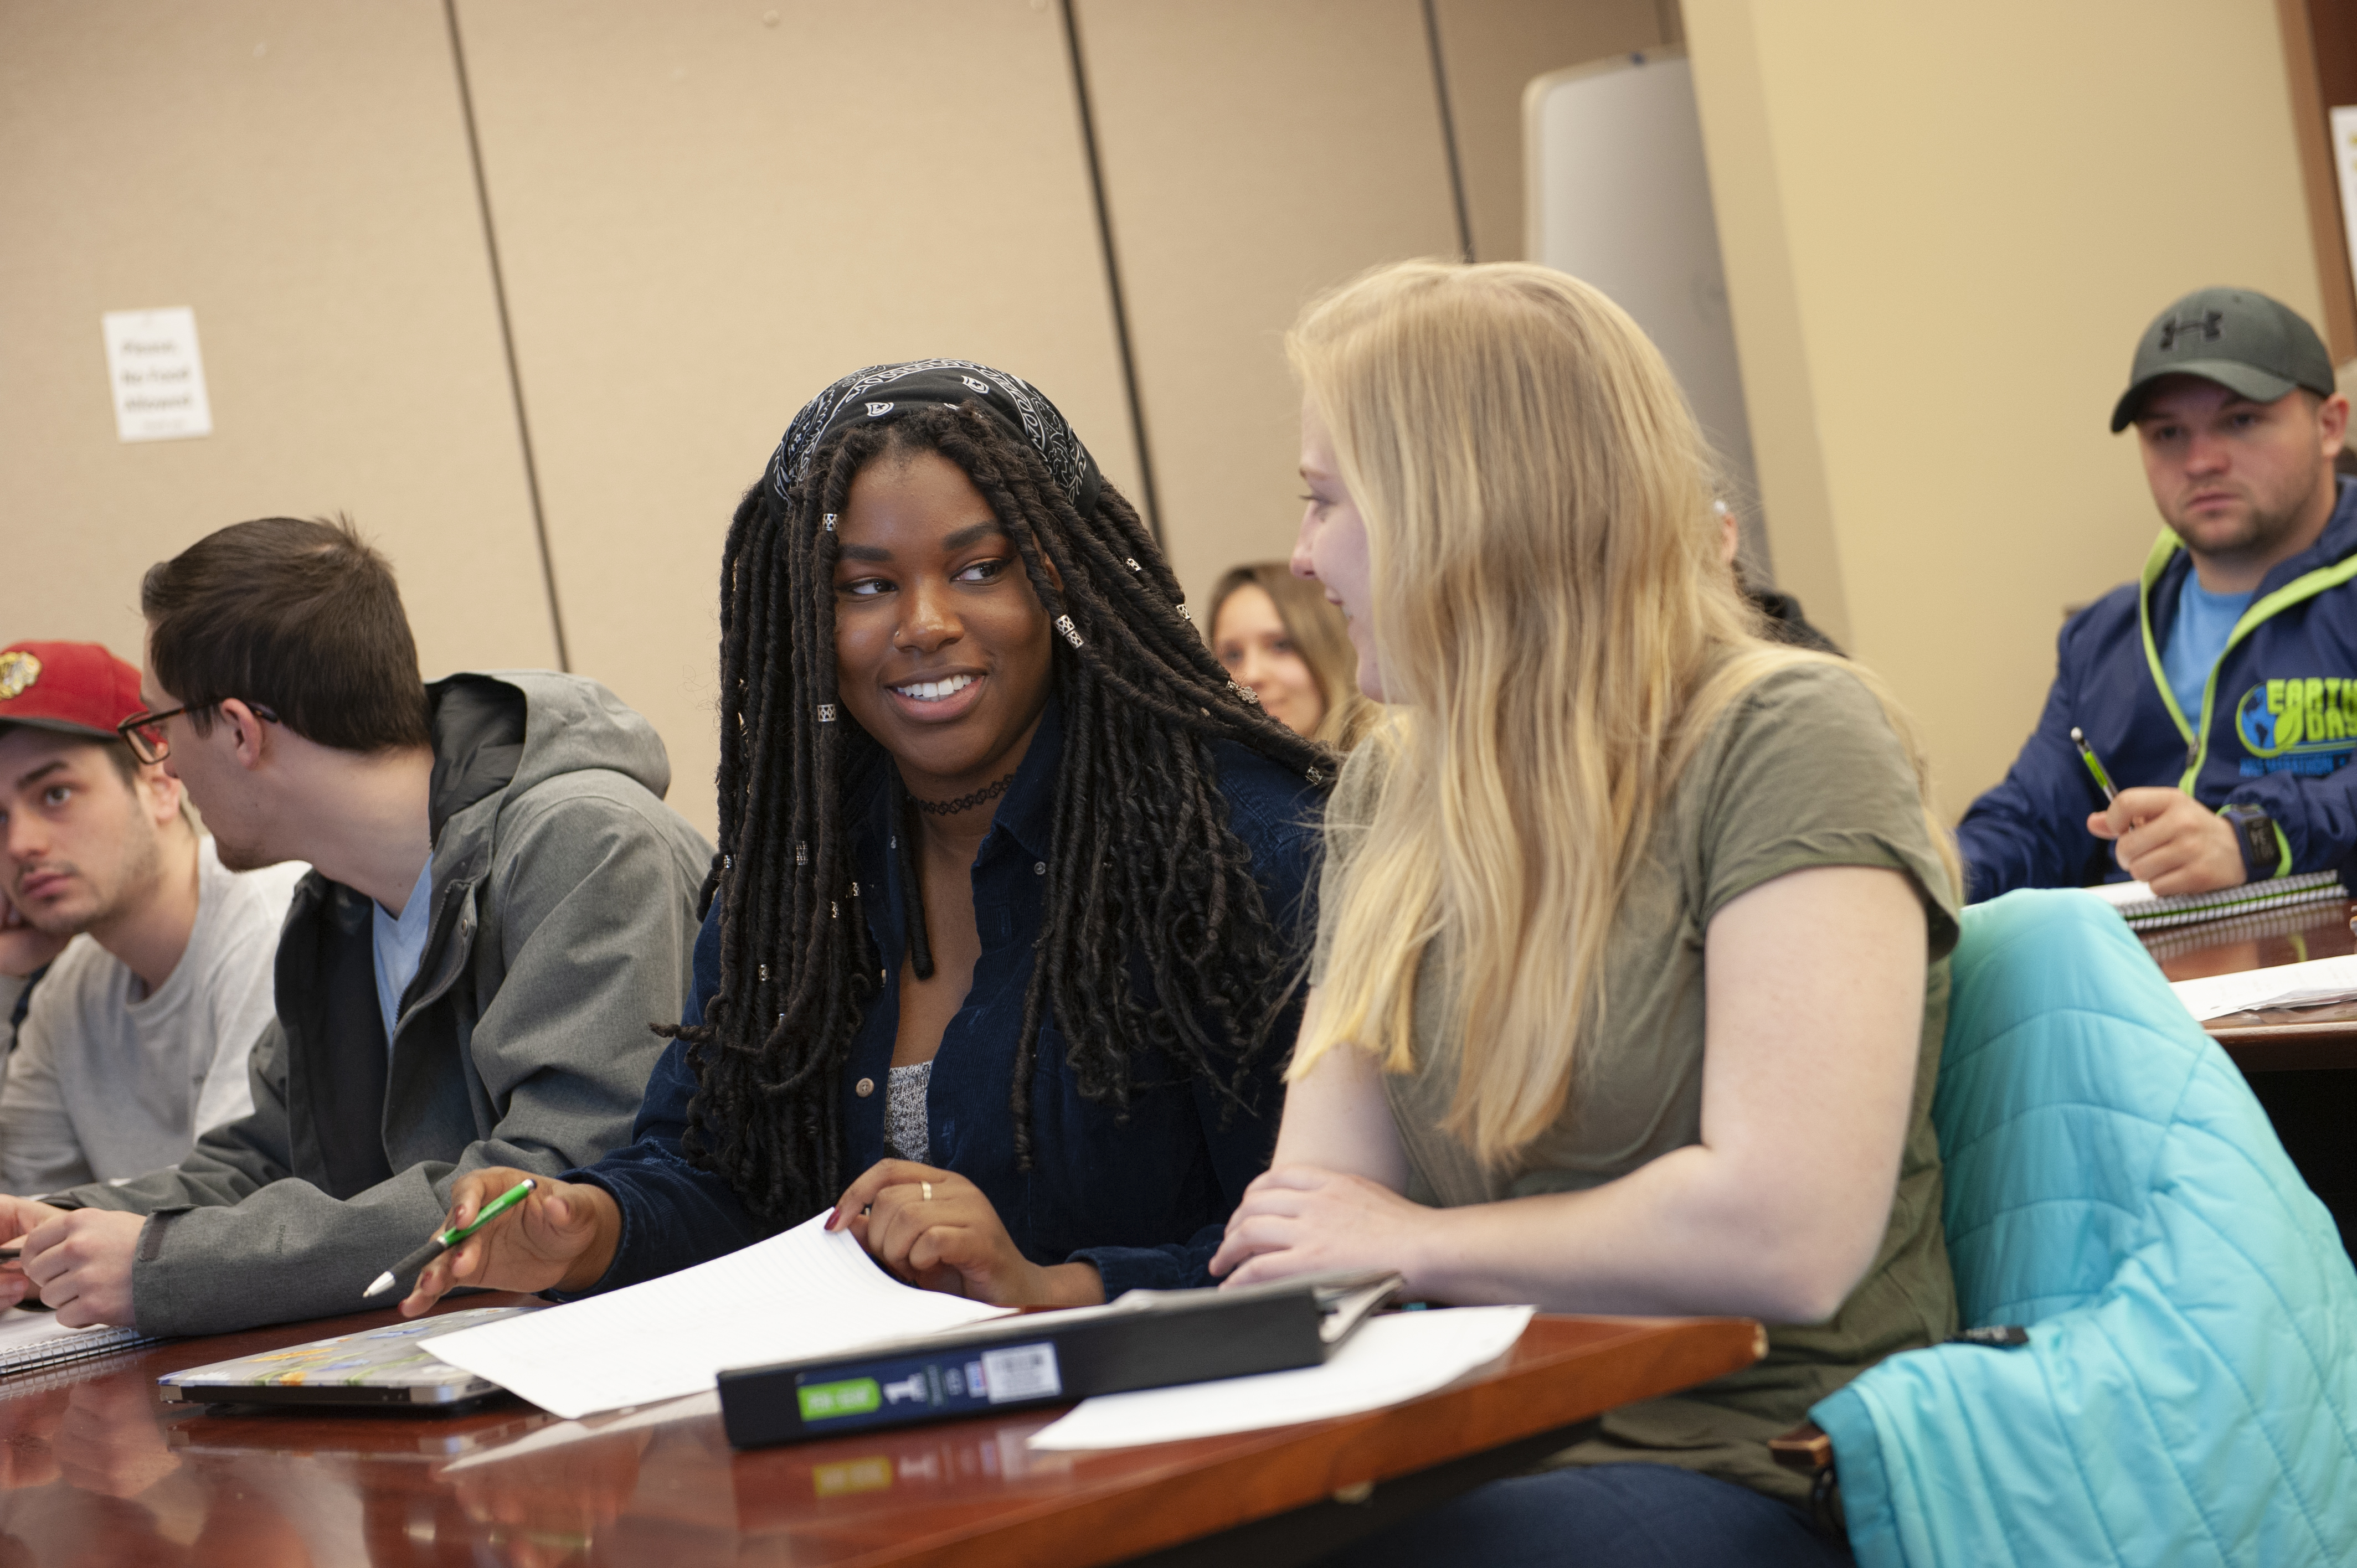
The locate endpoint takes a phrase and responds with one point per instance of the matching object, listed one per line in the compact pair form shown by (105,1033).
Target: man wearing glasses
(136,1040)
(500,906)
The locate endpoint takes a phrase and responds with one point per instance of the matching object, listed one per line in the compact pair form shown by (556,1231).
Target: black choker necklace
(963,802)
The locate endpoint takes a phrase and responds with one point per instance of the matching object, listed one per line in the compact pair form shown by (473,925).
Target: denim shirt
(1144,1200)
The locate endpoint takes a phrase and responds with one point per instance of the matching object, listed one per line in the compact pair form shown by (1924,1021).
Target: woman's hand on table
(934,1229)
(1300,1219)
(561,1237)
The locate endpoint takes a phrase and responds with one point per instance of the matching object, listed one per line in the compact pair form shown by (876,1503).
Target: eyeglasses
(143,732)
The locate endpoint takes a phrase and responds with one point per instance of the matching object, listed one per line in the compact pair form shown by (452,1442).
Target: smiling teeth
(935,691)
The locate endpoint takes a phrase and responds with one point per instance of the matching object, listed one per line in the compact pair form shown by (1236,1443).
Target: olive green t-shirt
(1801,770)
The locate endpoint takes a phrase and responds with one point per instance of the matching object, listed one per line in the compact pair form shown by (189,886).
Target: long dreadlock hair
(1145,868)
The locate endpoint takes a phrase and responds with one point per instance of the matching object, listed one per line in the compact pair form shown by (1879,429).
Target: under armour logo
(981,387)
(2206,324)
(879,410)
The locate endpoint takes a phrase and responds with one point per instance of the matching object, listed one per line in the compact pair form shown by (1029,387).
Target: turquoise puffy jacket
(2189,1394)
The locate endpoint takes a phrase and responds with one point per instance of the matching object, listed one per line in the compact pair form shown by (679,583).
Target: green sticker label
(856,1396)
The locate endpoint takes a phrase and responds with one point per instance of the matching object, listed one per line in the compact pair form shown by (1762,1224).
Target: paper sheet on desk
(809,1291)
(1387,1360)
(2316,984)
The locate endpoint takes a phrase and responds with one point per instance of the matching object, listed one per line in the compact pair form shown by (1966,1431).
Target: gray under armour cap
(2238,337)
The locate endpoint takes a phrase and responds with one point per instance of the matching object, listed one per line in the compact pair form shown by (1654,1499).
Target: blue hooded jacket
(2277,726)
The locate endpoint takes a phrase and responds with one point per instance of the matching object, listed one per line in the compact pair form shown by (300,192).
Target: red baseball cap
(77,688)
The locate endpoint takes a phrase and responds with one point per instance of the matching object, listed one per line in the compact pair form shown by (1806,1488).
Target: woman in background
(1631,970)
(1284,642)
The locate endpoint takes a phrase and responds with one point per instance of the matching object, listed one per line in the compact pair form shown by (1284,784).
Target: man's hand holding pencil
(2170,839)
(2167,839)
(558,1236)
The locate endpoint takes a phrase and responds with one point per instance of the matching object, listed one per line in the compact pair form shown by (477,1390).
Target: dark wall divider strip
(1149,500)
(506,336)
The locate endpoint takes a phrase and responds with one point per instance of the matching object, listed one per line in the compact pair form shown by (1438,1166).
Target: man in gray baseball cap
(2254,347)
(2220,690)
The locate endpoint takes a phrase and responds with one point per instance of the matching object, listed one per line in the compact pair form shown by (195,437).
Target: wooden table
(95,1470)
(2270,1041)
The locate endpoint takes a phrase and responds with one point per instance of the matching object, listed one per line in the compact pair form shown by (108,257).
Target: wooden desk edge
(2288,1047)
(1264,1479)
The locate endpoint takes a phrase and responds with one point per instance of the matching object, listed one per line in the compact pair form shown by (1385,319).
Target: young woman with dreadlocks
(1002,951)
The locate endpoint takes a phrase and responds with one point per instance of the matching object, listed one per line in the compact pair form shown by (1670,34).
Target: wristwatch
(2261,852)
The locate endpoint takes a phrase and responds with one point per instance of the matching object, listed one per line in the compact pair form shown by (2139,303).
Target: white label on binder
(1020,1372)
(158,376)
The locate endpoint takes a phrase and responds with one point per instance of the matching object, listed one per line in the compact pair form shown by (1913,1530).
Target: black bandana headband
(880,391)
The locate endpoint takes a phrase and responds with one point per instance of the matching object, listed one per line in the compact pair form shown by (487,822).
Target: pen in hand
(2094,765)
(442,1242)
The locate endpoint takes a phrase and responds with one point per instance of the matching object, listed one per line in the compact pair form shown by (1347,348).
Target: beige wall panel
(1492,49)
(1757,254)
(1255,151)
(1943,228)
(706,218)
(297,173)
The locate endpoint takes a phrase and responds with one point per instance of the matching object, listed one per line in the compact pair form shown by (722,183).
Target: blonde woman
(1285,643)
(1632,961)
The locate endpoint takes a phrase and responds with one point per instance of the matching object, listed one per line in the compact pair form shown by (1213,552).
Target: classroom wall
(1238,184)
(706,216)
(297,173)
(1943,228)
(1488,47)
(702,212)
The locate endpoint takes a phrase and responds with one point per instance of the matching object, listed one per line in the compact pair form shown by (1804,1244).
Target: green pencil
(2094,765)
(442,1242)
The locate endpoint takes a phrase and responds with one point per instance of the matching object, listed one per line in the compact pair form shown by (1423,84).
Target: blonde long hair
(1320,636)
(1550,606)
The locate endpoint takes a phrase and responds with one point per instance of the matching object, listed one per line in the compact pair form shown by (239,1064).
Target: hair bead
(826,712)
(1071,634)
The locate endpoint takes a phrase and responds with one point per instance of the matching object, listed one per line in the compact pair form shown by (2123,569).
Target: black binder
(1146,1340)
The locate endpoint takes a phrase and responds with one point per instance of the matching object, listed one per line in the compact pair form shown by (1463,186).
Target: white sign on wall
(159,378)
(2344,158)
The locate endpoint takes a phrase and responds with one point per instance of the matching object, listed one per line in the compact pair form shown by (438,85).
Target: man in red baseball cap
(158,961)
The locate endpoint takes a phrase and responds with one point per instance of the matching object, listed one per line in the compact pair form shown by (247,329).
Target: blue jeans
(1623,1516)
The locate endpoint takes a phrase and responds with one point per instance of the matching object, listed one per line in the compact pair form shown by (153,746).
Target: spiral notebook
(2137,905)
(31,1339)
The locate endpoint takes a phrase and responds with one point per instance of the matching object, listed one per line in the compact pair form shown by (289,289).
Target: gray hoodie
(563,917)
